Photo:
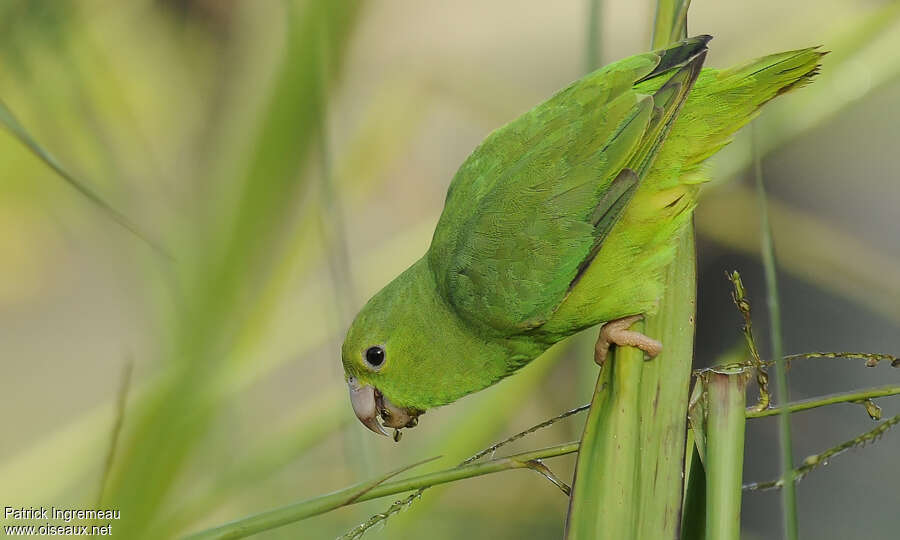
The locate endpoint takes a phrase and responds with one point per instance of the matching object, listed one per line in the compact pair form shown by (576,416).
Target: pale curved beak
(363,400)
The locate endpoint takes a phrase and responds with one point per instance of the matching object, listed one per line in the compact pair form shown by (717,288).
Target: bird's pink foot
(617,333)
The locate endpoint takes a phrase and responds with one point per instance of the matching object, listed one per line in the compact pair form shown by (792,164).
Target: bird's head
(380,366)
(407,351)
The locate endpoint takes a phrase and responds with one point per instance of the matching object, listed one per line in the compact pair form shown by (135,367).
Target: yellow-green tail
(722,102)
(644,239)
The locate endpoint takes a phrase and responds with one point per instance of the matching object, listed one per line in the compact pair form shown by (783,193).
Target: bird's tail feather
(722,102)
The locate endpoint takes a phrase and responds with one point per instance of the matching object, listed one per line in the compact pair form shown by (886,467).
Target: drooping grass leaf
(15,128)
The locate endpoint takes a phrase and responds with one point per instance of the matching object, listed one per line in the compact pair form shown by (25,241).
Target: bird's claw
(617,333)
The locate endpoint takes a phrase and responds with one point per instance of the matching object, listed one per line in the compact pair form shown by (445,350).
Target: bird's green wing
(529,209)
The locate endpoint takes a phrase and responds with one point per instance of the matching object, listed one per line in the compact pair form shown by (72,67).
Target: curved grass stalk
(815,461)
(325,503)
(318,505)
(812,403)
(12,125)
(469,431)
(397,506)
(782,392)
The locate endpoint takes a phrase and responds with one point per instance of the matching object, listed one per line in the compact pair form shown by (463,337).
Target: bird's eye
(375,356)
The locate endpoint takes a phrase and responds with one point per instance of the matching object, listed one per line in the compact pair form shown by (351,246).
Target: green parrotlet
(563,219)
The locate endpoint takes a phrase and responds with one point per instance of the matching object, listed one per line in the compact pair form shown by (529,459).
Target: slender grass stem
(12,125)
(782,393)
(278,517)
(325,503)
(815,461)
(844,397)
(501,407)
(121,405)
(592,50)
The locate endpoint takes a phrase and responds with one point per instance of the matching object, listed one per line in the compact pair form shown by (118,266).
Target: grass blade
(282,516)
(9,121)
(593,55)
(236,260)
(693,517)
(354,494)
(782,393)
(821,401)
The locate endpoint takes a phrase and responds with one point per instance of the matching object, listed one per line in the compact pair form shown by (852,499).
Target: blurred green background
(294,157)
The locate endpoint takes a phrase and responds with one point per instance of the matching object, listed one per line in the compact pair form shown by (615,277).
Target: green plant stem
(670,23)
(12,125)
(693,516)
(634,438)
(592,43)
(319,505)
(457,440)
(322,504)
(724,452)
(815,461)
(632,458)
(665,388)
(782,393)
(606,473)
(844,397)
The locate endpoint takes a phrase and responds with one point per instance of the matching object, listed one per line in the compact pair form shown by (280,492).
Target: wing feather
(529,209)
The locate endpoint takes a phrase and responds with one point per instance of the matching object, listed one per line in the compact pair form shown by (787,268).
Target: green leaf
(693,517)
(233,264)
(9,121)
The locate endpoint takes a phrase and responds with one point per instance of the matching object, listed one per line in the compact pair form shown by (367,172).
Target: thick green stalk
(782,394)
(606,473)
(632,456)
(670,24)
(665,386)
(724,452)
(631,461)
